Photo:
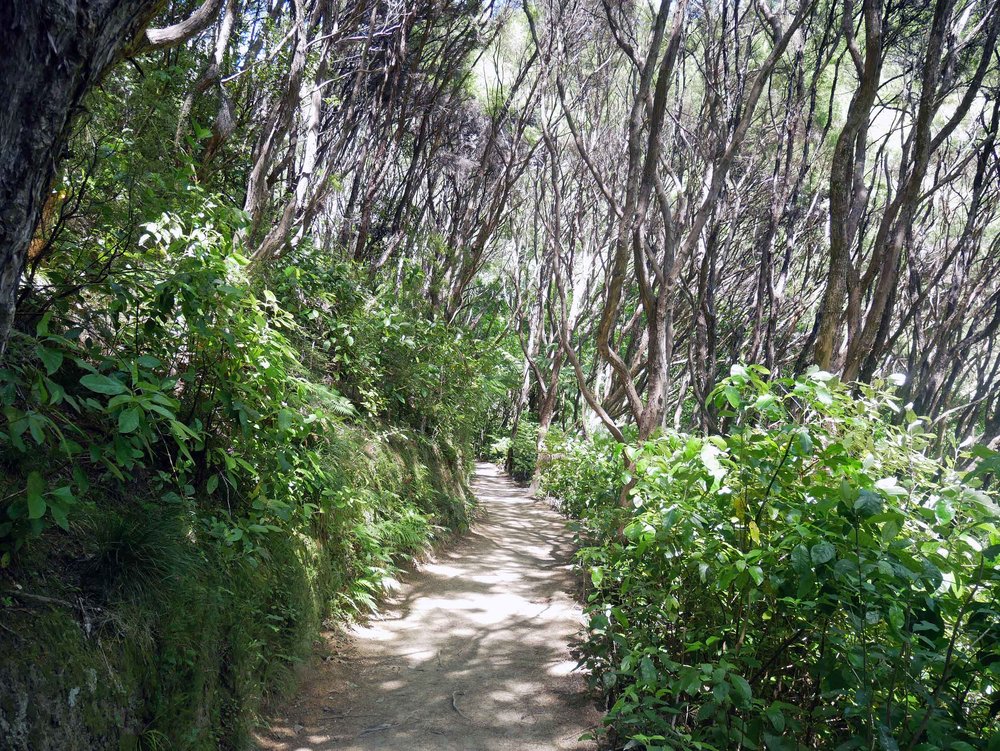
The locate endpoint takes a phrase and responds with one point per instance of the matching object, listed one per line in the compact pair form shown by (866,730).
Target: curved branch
(170,36)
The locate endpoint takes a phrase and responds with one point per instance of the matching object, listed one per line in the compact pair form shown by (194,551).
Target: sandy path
(472,655)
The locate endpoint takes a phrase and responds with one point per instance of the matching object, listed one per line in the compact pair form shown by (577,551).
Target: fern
(327,398)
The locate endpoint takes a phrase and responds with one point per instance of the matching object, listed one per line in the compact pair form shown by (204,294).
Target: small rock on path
(471,655)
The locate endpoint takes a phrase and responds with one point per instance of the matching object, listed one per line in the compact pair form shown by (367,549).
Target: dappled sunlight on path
(472,655)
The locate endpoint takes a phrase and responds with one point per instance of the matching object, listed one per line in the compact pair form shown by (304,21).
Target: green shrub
(133,555)
(812,580)
(385,350)
(185,382)
(182,634)
(584,475)
(522,451)
(183,491)
(517,455)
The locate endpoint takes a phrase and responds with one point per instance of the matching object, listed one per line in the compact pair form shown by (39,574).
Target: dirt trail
(471,655)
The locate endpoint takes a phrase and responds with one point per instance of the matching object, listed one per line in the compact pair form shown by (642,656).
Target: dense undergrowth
(201,464)
(137,628)
(811,579)
(517,455)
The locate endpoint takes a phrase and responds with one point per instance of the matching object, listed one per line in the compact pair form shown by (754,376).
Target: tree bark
(847,192)
(53,53)
(174,34)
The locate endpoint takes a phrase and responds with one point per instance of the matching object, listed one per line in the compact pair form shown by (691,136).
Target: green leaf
(647,670)
(80,478)
(36,426)
(820,375)
(51,358)
(42,327)
(896,616)
(868,503)
(102,384)
(989,463)
(36,500)
(890,486)
(710,458)
(161,411)
(776,718)
(720,691)
(59,515)
(689,681)
(212,484)
(732,396)
(117,401)
(801,561)
(885,740)
(620,617)
(943,511)
(890,529)
(128,420)
(764,401)
(805,442)
(931,574)
(822,552)
(742,688)
(709,708)
(149,362)
(597,575)
(65,496)
(200,132)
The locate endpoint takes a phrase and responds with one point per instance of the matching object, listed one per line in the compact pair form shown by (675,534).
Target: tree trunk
(546,411)
(847,190)
(53,53)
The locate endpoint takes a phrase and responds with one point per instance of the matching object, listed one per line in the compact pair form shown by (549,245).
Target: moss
(178,640)
(59,688)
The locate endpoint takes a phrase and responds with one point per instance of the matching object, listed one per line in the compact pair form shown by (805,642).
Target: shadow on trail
(472,654)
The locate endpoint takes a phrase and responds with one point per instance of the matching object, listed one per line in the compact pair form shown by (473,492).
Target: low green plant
(134,554)
(184,478)
(584,475)
(518,455)
(523,451)
(186,381)
(385,348)
(813,579)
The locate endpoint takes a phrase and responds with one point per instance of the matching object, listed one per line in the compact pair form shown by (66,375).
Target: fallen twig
(454,705)
(375,729)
